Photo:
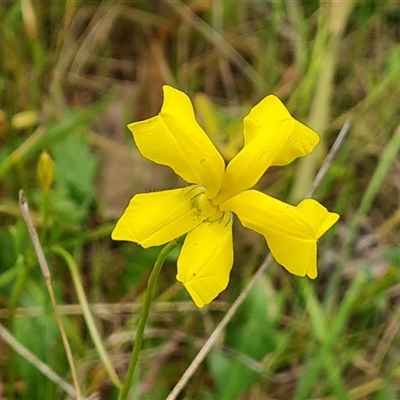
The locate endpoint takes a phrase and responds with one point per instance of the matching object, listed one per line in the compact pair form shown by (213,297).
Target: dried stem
(32,359)
(23,203)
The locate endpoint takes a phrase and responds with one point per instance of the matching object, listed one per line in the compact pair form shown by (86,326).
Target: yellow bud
(46,170)
(24,119)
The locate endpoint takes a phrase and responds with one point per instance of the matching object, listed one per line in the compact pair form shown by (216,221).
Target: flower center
(203,209)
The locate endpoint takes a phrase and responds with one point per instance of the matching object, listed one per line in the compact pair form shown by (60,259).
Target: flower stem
(151,288)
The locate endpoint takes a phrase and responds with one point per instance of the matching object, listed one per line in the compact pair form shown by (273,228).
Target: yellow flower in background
(203,210)
(46,170)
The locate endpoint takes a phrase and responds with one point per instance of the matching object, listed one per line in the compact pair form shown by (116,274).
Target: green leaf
(75,165)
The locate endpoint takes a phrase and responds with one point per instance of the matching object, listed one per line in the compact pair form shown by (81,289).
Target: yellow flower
(203,210)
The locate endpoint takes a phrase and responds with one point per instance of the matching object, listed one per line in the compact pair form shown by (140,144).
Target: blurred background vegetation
(74,73)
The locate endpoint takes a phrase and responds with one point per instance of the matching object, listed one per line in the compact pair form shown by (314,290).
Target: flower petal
(174,138)
(299,141)
(271,137)
(156,218)
(206,260)
(291,232)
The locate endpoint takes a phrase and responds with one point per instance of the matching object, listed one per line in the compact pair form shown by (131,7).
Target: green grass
(73,74)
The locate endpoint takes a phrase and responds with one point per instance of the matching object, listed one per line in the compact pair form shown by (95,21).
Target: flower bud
(46,170)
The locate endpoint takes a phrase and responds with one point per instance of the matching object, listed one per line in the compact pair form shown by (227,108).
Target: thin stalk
(23,203)
(151,288)
(87,315)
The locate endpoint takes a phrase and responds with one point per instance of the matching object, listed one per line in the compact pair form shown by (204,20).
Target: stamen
(203,209)
(194,187)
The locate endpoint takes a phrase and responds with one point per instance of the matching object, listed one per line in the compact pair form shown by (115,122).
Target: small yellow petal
(206,260)
(271,137)
(174,138)
(291,232)
(152,219)
(297,255)
(317,216)
(300,142)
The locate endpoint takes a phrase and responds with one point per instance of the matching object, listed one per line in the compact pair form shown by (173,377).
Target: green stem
(151,288)
(87,315)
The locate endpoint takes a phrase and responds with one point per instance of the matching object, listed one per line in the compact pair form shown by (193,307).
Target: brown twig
(32,359)
(23,203)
